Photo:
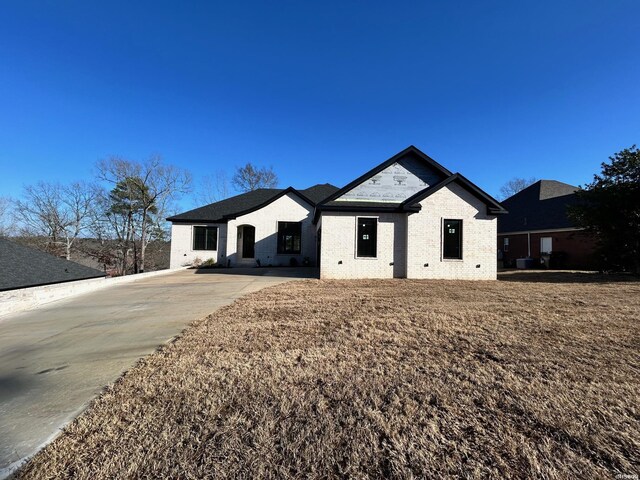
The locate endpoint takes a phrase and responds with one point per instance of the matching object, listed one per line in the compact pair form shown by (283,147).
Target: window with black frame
(289,237)
(367,237)
(205,238)
(452,239)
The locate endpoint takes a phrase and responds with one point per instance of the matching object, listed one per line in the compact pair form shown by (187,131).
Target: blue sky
(321,91)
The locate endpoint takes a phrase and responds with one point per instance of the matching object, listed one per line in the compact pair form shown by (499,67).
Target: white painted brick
(182,252)
(405,242)
(479,230)
(339,245)
(288,208)
(411,241)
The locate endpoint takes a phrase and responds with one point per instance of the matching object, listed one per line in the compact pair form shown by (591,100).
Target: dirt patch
(395,379)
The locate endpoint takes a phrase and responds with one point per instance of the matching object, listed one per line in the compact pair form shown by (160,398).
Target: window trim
(278,252)
(550,244)
(505,244)
(442,237)
(193,238)
(375,257)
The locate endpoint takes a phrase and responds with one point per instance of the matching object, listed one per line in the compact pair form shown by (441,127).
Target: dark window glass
(452,239)
(289,237)
(367,237)
(205,238)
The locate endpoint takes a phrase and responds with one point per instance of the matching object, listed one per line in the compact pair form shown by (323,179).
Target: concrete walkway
(55,359)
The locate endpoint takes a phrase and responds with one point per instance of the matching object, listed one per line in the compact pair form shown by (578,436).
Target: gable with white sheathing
(395,183)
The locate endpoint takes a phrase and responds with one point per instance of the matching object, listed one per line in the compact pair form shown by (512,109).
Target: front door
(248,241)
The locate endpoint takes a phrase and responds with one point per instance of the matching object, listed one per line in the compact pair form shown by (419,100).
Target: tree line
(122,209)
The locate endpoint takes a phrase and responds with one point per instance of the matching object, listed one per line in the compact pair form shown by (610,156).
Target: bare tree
(213,188)
(515,185)
(143,193)
(60,213)
(105,228)
(6,225)
(249,178)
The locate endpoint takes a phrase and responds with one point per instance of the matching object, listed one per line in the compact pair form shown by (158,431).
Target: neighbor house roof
(540,206)
(22,266)
(230,208)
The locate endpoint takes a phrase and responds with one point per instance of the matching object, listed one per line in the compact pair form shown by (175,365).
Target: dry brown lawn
(366,379)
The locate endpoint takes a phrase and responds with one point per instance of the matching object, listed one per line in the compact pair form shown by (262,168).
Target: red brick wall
(577,246)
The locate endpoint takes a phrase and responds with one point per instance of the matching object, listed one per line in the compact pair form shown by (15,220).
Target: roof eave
(196,220)
(394,208)
(233,216)
(493,206)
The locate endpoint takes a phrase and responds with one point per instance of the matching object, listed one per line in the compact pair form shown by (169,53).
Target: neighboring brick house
(537,226)
(409,217)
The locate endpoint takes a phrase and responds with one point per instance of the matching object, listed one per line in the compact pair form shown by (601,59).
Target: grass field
(395,379)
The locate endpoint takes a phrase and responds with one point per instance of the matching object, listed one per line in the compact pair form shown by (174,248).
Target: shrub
(209,263)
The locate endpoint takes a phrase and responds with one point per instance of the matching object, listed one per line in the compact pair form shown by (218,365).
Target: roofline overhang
(232,216)
(543,230)
(196,220)
(493,206)
(286,191)
(392,208)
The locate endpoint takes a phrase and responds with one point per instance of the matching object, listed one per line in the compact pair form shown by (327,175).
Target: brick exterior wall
(478,237)
(182,252)
(338,244)
(576,248)
(407,242)
(288,208)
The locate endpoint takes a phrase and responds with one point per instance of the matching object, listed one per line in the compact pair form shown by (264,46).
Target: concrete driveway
(55,359)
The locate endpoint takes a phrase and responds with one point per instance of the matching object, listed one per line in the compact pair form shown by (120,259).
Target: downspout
(528,244)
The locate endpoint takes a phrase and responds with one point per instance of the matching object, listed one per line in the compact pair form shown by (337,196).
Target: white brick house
(409,217)
(265,227)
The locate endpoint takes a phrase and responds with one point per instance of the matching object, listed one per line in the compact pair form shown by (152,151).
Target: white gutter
(549,230)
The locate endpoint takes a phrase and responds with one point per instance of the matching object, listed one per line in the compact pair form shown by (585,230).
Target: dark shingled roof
(247,202)
(540,206)
(22,267)
(319,192)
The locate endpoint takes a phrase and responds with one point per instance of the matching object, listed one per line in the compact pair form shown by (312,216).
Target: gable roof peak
(243,203)
(494,207)
(411,149)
